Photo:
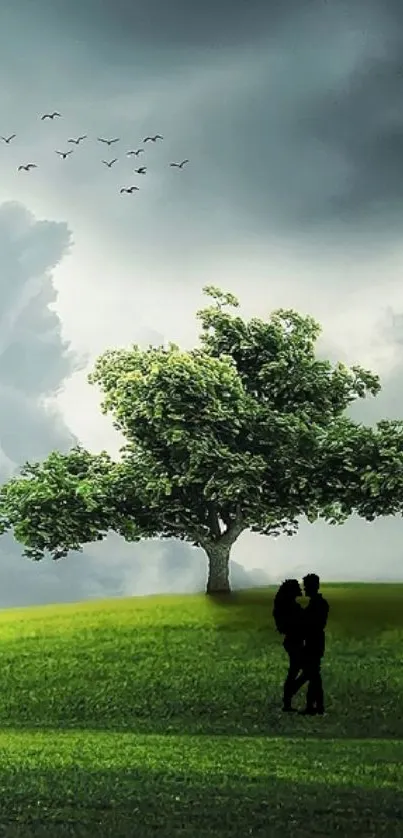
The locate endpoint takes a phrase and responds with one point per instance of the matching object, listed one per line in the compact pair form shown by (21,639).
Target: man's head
(311,584)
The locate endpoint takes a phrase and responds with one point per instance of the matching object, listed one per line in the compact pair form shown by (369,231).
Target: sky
(291,117)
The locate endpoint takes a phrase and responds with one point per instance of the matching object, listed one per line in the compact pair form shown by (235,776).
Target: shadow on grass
(119,804)
(359,716)
(361,611)
(222,676)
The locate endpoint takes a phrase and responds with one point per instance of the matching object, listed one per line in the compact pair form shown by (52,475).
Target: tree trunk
(218,568)
(218,549)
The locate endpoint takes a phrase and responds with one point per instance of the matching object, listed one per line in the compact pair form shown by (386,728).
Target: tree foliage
(247,430)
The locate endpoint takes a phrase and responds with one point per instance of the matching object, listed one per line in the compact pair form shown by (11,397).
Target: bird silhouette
(153,139)
(136,153)
(130,189)
(7,139)
(108,142)
(64,154)
(28,167)
(110,163)
(179,165)
(78,140)
(50,115)
(141,170)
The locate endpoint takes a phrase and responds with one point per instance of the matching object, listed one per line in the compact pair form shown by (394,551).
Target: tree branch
(214,523)
(236,526)
(225,516)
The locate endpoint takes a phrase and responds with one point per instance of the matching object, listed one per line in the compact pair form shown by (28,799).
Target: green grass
(160,716)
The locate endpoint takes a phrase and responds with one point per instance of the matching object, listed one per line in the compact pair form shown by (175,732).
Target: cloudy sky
(291,116)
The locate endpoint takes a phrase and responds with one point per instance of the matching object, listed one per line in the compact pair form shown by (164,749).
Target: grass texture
(160,716)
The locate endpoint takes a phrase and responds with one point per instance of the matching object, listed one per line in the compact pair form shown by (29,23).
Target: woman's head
(284,598)
(290,588)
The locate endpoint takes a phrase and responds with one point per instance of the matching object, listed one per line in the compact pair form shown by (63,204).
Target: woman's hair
(288,590)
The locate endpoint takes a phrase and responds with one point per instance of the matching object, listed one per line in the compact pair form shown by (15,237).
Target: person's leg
(319,698)
(289,683)
(300,680)
(314,697)
(312,687)
(303,677)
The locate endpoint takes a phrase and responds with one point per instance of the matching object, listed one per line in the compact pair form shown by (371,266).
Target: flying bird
(28,167)
(50,115)
(141,170)
(108,142)
(153,139)
(7,139)
(136,153)
(78,140)
(179,165)
(130,189)
(110,163)
(64,154)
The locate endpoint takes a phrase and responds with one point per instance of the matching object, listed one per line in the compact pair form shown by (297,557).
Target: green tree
(249,430)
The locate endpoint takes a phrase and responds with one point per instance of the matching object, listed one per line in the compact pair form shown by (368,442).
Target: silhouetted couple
(304,640)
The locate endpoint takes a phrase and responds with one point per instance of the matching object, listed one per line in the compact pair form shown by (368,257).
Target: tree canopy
(248,430)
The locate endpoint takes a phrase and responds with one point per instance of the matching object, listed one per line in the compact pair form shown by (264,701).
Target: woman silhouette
(288,617)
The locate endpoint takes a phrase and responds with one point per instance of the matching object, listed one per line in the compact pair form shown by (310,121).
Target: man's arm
(323,614)
(319,611)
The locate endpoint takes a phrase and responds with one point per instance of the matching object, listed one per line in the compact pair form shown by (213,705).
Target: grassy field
(161,716)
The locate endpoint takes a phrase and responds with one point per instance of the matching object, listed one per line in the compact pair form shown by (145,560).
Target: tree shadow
(368,716)
(219,677)
(355,611)
(120,803)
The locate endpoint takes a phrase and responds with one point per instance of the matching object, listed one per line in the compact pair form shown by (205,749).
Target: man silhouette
(315,619)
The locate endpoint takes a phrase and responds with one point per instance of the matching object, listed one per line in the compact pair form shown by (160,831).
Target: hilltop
(160,716)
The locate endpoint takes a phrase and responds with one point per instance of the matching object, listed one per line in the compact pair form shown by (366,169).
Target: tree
(248,430)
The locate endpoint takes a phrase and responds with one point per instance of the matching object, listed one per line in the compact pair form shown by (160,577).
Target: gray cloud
(312,146)
(301,139)
(177,24)
(34,361)
(291,116)
(301,136)
(34,358)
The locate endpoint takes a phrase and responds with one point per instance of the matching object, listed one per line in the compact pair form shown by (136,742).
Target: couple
(304,641)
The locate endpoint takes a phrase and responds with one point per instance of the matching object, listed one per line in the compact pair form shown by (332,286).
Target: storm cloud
(170,26)
(34,361)
(291,116)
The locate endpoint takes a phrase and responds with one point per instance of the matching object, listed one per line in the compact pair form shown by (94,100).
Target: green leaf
(250,429)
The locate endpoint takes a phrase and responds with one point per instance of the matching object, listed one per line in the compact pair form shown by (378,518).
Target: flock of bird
(109,163)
